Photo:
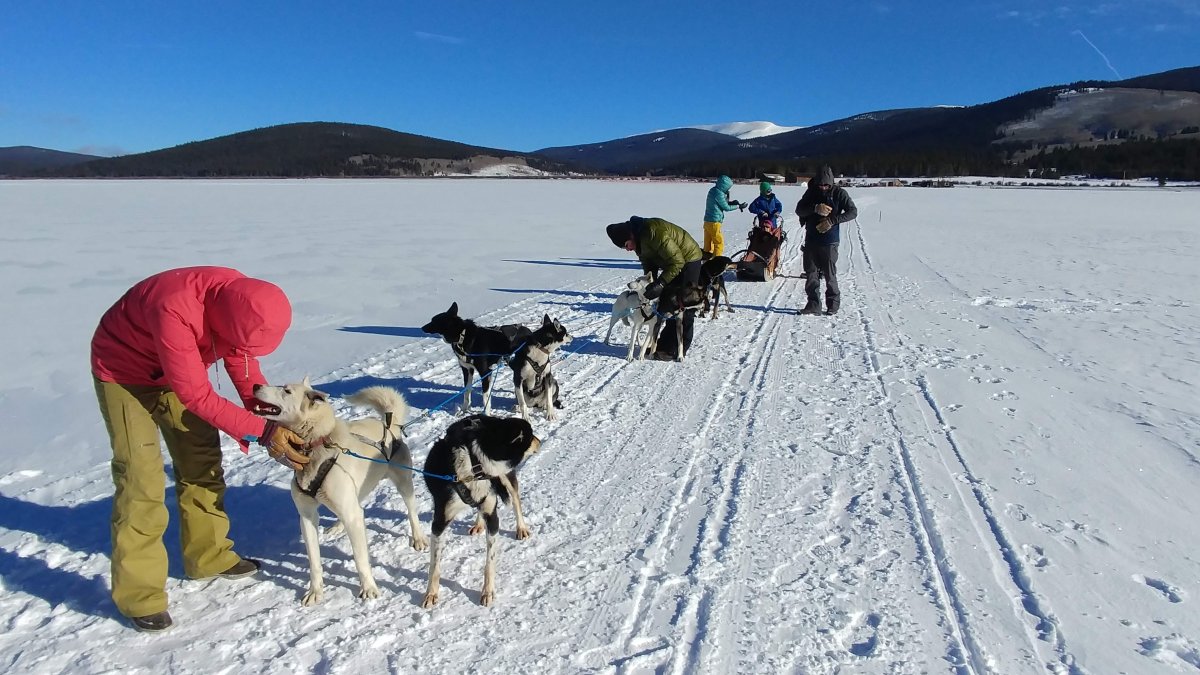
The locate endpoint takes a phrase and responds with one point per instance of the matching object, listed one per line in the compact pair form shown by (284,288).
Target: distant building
(773,177)
(891,182)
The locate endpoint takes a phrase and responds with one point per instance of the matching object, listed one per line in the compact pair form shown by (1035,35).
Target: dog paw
(430,600)
(335,530)
(420,543)
(368,592)
(523,533)
(477,528)
(312,597)
(487,597)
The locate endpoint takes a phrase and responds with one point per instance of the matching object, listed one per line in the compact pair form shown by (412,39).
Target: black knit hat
(620,233)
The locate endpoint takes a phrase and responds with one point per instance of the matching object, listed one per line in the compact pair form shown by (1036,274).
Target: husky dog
(478,348)
(689,298)
(632,308)
(341,482)
(482,454)
(532,380)
(712,277)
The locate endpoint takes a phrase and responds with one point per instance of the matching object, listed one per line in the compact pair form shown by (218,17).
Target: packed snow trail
(875,492)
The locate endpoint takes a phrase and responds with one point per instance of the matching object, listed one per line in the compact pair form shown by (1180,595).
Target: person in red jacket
(150,359)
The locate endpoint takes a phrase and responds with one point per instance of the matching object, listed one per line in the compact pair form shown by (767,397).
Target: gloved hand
(823,210)
(741,206)
(824,226)
(654,290)
(281,444)
(734,202)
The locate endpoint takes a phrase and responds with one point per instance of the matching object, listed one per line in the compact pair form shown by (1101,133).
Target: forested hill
(308,149)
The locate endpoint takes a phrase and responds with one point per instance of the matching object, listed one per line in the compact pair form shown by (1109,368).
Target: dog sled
(761,255)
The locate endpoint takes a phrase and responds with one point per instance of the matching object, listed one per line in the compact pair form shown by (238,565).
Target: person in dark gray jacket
(822,210)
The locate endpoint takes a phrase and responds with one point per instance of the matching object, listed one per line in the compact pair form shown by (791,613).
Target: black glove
(654,290)
(734,202)
(741,206)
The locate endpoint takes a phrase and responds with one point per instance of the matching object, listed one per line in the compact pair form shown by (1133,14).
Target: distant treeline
(1170,159)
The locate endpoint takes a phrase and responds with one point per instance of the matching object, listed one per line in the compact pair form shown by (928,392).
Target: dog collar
(324,440)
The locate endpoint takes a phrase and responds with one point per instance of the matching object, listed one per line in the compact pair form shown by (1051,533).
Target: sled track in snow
(970,656)
(992,535)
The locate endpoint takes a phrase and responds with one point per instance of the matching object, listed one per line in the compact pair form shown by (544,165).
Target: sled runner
(758,261)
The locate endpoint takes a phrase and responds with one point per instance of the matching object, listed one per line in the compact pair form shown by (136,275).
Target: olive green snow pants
(134,415)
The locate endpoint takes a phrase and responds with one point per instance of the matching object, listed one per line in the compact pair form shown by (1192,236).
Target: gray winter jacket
(837,198)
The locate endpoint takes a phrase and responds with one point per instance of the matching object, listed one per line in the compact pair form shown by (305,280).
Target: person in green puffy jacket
(715,206)
(671,254)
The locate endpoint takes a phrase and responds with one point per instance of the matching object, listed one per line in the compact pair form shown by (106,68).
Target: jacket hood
(724,183)
(251,315)
(824,177)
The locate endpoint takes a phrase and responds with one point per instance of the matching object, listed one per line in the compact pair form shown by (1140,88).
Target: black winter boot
(812,307)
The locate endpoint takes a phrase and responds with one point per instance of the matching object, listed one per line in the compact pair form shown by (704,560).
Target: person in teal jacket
(714,214)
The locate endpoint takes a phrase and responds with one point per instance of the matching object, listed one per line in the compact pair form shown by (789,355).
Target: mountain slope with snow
(746,130)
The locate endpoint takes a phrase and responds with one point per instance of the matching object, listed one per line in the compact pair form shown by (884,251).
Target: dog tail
(383,400)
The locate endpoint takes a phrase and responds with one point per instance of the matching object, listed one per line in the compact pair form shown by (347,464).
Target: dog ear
(313,396)
(307,384)
(453,311)
(546,320)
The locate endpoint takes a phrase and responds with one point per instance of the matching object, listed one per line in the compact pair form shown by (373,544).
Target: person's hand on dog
(281,444)
(654,290)
(823,210)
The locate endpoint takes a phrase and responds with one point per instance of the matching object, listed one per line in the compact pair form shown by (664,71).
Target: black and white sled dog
(477,348)
(533,382)
(712,277)
(482,454)
(690,297)
(338,481)
(632,308)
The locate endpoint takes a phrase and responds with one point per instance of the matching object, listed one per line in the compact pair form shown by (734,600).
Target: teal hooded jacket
(717,204)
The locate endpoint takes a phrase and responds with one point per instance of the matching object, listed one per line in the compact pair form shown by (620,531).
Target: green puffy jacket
(663,245)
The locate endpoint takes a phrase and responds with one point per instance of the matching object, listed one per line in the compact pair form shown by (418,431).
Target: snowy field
(987,463)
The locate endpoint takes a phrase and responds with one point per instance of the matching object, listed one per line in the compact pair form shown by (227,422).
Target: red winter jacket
(169,328)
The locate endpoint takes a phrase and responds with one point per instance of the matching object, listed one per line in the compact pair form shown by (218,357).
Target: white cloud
(434,37)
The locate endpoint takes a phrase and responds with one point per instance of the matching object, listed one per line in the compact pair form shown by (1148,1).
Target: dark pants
(689,275)
(821,262)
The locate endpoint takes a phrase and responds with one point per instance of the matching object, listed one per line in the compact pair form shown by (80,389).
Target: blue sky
(119,77)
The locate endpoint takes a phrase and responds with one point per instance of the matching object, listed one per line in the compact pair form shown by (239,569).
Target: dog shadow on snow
(420,394)
(392,331)
(607,263)
(264,525)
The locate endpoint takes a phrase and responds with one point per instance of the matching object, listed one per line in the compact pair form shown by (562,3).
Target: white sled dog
(339,481)
(479,455)
(633,309)
(533,382)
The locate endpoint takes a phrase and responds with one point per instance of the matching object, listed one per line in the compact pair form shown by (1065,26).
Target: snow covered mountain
(746,130)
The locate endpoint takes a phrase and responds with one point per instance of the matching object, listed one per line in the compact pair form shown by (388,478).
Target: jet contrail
(1106,61)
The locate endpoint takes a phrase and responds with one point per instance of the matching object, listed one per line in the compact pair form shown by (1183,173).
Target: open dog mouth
(264,409)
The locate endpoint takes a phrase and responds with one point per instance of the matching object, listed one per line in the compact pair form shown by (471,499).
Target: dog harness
(539,373)
(318,480)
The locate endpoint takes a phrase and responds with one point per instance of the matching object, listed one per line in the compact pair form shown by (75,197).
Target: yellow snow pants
(134,415)
(714,241)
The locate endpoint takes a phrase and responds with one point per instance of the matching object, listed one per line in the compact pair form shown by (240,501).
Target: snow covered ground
(987,463)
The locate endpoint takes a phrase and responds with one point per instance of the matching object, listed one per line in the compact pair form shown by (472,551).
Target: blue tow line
(442,476)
